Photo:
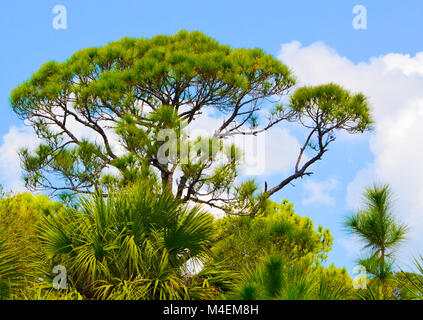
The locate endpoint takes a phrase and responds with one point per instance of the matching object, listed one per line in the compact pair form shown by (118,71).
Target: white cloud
(353,247)
(10,170)
(394,86)
(272,152)
(319,193)
(364,178)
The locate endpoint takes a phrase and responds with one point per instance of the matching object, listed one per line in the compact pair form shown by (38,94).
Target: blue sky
(393,27)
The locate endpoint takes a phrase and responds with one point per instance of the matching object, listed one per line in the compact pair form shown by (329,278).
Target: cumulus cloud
(272,152)
(364,178)
(10,170)
(394,85)
(269,153)
(319,193)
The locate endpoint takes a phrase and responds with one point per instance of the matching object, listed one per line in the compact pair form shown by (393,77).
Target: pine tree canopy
(101,114)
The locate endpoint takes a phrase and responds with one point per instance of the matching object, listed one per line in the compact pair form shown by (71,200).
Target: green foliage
(135,98)
(277,278)
(19,217)
(43,290)
(246,197)
(113,123)
(411,283)
(243,241)
(279,255)
(376,224)
(126,92)
(10,268)
(135,244)
(382,235)
(333,106)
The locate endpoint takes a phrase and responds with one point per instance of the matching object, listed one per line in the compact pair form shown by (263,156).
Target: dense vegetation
(127,213)
(140,243)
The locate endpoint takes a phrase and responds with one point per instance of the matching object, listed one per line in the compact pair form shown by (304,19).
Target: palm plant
(135,244)
(382,234)
(277,278)
(10,268)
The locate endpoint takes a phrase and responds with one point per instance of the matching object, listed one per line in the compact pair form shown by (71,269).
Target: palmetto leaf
(413,283)
(135,243)
(10,268)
